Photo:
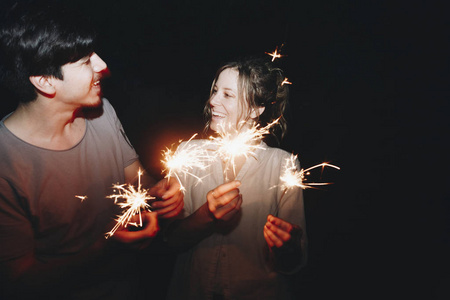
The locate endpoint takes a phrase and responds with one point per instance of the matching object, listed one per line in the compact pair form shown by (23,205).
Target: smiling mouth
(96,83)
(219,115)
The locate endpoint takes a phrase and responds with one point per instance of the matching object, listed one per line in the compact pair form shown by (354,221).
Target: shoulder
(107,106)
(274,153)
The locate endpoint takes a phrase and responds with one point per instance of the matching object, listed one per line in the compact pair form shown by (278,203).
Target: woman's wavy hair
(38,39)
(259,85)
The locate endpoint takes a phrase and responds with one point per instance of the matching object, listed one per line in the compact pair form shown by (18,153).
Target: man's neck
(46,126)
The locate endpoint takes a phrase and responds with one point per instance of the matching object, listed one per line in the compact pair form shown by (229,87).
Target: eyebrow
(229,89)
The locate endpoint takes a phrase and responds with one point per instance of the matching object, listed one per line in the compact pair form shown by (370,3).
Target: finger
(172,187)
(224,188)
(230,208)
(167,202)
(149,230)
(286,226)
(279,232)
(171,211)
(267,238)
(276,241)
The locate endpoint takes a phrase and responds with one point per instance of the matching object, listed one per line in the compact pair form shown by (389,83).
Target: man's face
(81,83)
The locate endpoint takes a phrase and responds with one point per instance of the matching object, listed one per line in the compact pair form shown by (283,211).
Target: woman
(234,247)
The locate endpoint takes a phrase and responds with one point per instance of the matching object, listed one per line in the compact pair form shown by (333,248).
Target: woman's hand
(170,198)
(224,201)
(278,232)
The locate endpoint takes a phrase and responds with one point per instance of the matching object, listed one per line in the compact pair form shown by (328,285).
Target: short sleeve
(128,151)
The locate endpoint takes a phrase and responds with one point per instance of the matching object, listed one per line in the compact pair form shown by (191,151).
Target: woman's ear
(44,85)
(256,112)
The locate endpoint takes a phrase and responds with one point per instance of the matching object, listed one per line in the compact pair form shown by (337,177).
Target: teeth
(216,114)
(96,83)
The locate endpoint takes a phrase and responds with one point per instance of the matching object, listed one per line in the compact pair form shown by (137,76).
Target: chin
(95,103)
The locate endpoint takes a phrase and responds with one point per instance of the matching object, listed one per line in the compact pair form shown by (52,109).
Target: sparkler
(187,157)
(233,143)
(292,178)
(134,202)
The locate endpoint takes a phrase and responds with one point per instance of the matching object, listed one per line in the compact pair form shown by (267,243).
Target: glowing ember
(81,197)
(285,81)
(275,54)
(187,157)
(134,201)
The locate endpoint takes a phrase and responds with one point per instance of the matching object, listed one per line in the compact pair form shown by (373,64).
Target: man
(61,151)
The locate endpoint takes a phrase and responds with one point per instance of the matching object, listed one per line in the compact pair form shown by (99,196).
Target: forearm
(184,233)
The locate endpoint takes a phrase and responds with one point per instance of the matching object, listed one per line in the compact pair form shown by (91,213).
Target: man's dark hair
(37,39)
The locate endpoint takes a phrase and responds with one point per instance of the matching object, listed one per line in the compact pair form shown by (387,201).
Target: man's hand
(169,196)
(142,235)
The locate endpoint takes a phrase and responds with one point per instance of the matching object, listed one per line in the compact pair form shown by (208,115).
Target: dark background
(369,94)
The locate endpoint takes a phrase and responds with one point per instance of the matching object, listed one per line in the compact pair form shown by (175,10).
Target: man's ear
(44,85)
(256,112)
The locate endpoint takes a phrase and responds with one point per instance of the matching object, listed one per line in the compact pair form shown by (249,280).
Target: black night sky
(369,94)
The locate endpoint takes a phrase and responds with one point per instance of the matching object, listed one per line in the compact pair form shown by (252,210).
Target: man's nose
(98,64)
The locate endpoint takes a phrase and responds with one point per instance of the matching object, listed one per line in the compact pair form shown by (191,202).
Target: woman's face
(225,109)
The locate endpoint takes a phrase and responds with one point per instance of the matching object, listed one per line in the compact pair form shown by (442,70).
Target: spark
(187,157)
(292,177)
(275,54)
(285,81)
(81,197)
(134,201)
(233,143)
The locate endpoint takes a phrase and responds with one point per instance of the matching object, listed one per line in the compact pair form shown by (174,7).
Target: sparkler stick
(233,143)
(187,157)
(292,178)
(134,202)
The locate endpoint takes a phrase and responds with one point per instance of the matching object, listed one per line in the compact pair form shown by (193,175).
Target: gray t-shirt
(39,208)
